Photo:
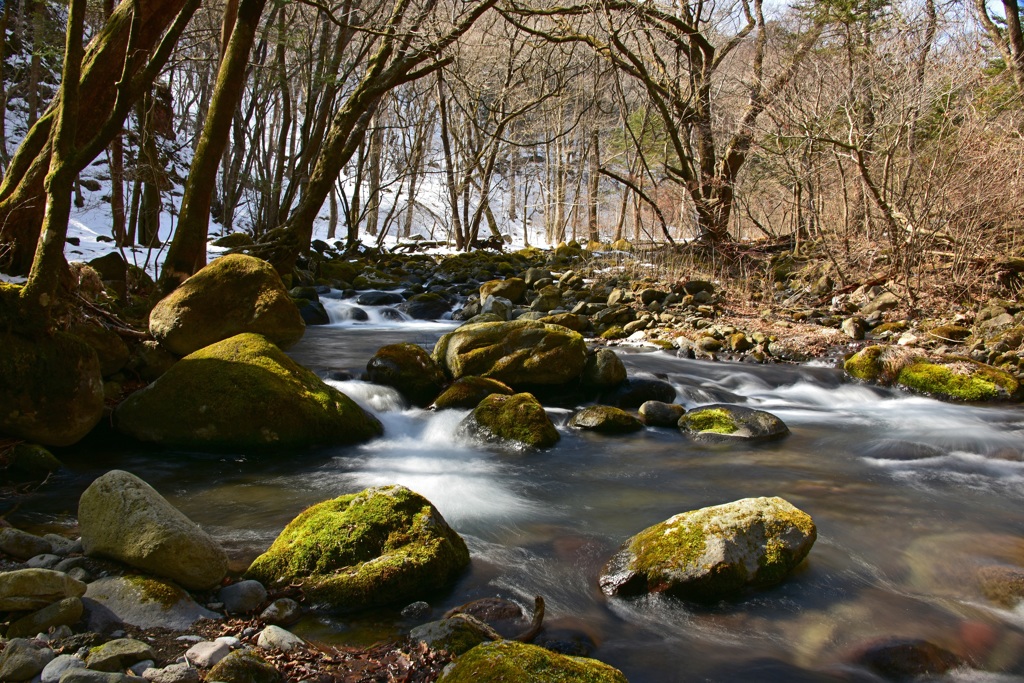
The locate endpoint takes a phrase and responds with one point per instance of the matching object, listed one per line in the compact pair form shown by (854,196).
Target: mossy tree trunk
(187,252)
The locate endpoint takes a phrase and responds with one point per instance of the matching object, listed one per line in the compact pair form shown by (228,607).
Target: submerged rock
(637,391)
(518,353)
(905,658)
(53,388)
(408,368)
(467,392)
(605,419)
(506,660)
(381,546)
(519,418)
(232,295)
(725,421)
(125,519)
(714,552)
(239,393)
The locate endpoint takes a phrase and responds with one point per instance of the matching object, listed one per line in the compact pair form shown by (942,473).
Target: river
(910,496)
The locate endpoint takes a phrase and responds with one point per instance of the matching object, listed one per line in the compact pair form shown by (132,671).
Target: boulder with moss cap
(519,353)
(381,546)
(519,419)
(506,660)
(713,553)
(123,518)
(141,601)
(233,294)
(239,393)
(722,421)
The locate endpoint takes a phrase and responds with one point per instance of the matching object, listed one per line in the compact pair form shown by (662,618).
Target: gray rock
(141,601)
(89,676)
(63,546)
(498,306)
(123,518)
(23,545)
(243,597)
(416,610)
(207,653)
(854,328)
(281,611)
(58,666)
(605,420)
(174,673)
(660,414)
(32,589)
(22,659)
(603,370)
(276,638)
(723,421)
(457,634)
(69,563)
(139,668)
(118,655)
(44,561)
(883,302)
(64,612)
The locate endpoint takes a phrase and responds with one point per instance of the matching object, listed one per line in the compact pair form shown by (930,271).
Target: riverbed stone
(497,306)
(232,295)
(172,673)
(426,306)
(637,391)
(66,612)
(243,597)
(244,666)
(603,371)
(513,289)
(456,634)
(519,419)
(53,388)
(381,546)
(277,638)
(506,660)
(283,611)
(60,665)
(119,654)
(606,420)
(23,545)
(22,659)
(33,589)
(1002,584)
(713,553)
(905,658)
(125,519)
(44,561)
(207,653)
(723,421)
(467,392)
(518,353)
(660,414)
(409,369)
(90,676)
(240,393)
(142,601)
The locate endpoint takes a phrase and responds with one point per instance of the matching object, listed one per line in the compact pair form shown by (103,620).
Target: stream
(910,496)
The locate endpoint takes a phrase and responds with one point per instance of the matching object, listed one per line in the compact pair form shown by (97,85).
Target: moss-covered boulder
(519,419)
(951,378)
(232,295)
(606,420)
(408,368)
(506,660)
(721,421)
(382,546)
(239,393)
(467,392)
(519,353)
(52,388)
(244,666)
(123,518)
(513,289)
(604,370)
(714,552)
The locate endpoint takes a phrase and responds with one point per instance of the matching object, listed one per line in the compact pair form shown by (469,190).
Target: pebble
(243,597)
(207,653)
(139,667)
(53,671)
(276,638)
(230,641)
(69,563)
(174,673)
(44,561)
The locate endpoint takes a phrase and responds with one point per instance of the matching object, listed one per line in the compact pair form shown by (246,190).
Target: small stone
(276,638)
(63,546)
(90,676)
(659,414)
(243,597)
(244,665)
(230,641)
(417,610)
(207,653)
(173,673)
(57,667)
(854,328)
(69,563)
(903,658)
(119,654)
(23,545)
(140,667)
(44,561)
(281,611)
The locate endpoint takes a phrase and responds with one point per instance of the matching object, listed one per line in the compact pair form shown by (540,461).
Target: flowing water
(910,497)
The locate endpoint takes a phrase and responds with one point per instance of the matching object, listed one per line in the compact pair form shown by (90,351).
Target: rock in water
(52,388)
(408,368)
(467,392)
(239,393)
(606,420)
(714,552)
(506,660)
(233,294)
(518,353)
(124,518)
(384,545)
(520,419)
(723,421)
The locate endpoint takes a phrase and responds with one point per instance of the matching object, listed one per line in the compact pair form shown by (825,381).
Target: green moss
(715,420)
(380,546)
(893,327)
(679,541)
(950,333)
(964,381)
(614,332)
(509,661)
(520,418)
(865,364)
(153,590)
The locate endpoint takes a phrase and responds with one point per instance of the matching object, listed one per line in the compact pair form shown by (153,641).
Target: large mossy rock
(467,392)
(123,518)
(52,388)
(239,393)
(506,660)
(519,418)
(408,368)
(232,295)
(951,378)
(723,421)
(385,545)
(519,353)
(713,553)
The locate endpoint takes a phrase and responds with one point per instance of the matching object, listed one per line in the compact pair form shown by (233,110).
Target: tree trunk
(373,192)
(592,188)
